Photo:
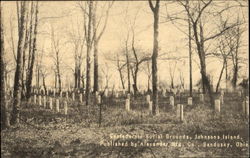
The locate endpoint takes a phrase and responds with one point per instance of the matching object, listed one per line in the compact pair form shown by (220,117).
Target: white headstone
(34,98)
(190,101)
(127,104)
(217,105)
(148,98)
(66,95)
(50,103)
(99,99)
(80,97)
(40,100)
(65,107)
(201,97)
(171,100)
(164,93)
(44,101)
(57,105)
(150,108)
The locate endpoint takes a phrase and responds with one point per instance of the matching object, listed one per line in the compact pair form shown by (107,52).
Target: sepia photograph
(124,79)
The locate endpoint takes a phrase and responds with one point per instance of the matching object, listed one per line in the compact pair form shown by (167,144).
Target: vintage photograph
(124,79)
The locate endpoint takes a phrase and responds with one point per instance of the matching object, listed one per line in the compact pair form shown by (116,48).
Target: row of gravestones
(51,103)
(217,106)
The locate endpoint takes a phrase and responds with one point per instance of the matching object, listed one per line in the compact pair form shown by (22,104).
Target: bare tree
(18,73)
(32,48)
(55,46)
(3,103)
(155,10)
(195,16)
(97,36)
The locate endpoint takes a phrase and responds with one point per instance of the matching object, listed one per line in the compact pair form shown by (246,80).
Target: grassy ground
(44,133)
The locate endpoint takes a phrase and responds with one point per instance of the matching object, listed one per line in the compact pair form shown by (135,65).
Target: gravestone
(217,105)
(50,103)
(202,98)
(99,99)
(57,105)
(127,104)
(34,98)
(65,108)
(171,100)
(148,98)
(80,97)
(40,100)
(190,101)
(67,95)
(44,101)
(150,107)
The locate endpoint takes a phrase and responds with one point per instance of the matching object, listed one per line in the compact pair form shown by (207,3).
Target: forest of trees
(25,53)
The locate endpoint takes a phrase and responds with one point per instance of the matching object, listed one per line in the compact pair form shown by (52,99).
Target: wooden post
(190,101)
(50,103)
(65,108)
(179,112)
(57,105)
(217,105)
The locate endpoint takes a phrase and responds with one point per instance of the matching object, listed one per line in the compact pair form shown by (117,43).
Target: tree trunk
(96,76)
(3,103)
(218,83)
(121,78)
(18,73)
(88,64)
(190,60)
(155,10)
(44,83)
(128,67)
(32,53)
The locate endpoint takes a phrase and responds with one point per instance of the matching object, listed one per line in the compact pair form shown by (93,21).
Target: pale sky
(65,15)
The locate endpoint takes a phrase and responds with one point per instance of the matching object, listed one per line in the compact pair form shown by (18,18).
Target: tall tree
(88,33)
(155,10)
(32,48)
(97,36)
(195,15)
(3,103)
(18,73)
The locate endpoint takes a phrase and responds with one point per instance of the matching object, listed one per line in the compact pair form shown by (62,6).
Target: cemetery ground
(43,132)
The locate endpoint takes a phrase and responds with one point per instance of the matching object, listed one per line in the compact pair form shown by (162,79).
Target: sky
(66,16)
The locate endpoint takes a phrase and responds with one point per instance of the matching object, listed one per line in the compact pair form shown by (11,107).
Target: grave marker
(57,105)
(217,105)
(65,108)
(190,101)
